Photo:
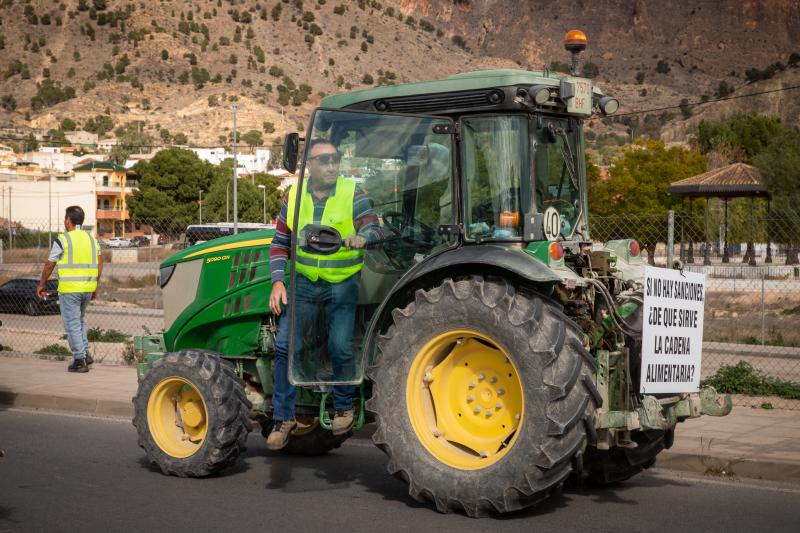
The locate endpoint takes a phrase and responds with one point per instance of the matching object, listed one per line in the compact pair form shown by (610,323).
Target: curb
(66,403)
(733,467)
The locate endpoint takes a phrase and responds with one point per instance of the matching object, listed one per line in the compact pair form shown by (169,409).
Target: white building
(53,158)
(39,205)
(247,163)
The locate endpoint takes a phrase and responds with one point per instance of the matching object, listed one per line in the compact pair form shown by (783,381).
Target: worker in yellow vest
(328,282)
(76,253)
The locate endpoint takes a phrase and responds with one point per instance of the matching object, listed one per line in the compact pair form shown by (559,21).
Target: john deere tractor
(496,347)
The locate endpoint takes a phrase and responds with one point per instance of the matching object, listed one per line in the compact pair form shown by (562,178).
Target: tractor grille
(441,102)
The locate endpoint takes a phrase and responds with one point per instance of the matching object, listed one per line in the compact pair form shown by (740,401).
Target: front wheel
(482,394)
(191,414)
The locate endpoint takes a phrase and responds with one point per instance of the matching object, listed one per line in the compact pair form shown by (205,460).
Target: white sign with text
(672,330)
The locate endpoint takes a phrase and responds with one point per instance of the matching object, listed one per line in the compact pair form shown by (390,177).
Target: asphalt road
(69,473)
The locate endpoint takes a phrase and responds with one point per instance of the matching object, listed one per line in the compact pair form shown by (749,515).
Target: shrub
(459,41)
(640,77)
(367,79)
(54,349)
(662,67)
(164,55)
(742,378)
(50,93)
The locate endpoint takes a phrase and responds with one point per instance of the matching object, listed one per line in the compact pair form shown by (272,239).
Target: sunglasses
(327,159)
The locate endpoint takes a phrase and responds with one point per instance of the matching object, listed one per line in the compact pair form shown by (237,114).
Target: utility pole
(264,190)
(235,108)
(10,236)
(200,203)
(50,206)
(227,203)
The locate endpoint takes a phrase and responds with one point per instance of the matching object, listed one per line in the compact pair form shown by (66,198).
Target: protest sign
(672,330)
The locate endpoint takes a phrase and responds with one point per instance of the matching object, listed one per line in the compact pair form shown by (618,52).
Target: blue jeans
(73,309)
(339,301)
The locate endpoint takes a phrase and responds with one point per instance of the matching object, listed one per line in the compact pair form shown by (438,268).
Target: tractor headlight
(609,105)
(539,94)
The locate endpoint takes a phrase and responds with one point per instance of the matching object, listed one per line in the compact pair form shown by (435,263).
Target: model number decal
(218,258)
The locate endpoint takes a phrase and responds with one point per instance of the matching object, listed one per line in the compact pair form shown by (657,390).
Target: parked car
(118,242)
(163,239)
(19,296)
(141,240)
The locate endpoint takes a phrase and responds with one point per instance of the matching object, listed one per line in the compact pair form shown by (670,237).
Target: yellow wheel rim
(465,399)
(177,417)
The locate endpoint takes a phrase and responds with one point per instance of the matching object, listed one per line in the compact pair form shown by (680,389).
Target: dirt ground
(741,318)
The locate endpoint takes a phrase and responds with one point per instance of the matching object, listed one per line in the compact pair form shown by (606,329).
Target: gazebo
(732,181)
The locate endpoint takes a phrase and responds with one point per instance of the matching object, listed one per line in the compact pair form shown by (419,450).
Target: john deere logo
(218,258)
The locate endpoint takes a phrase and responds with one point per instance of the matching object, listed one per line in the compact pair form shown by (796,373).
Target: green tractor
(496,348)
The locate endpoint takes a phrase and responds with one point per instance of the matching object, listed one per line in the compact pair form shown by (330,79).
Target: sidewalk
(751,443)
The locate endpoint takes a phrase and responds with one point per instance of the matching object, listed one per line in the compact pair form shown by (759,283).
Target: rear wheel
(191,414)
(603,467)
(482,394)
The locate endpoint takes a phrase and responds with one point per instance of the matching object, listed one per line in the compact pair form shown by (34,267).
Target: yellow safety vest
(338,213)
(77,269)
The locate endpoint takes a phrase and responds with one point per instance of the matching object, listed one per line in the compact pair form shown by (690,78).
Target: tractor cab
(482,158)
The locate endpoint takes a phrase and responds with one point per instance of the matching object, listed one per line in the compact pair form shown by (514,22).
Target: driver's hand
(276,297)
(354,241)
(40,290)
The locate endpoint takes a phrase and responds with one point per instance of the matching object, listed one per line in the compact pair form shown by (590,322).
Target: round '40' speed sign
(552,224)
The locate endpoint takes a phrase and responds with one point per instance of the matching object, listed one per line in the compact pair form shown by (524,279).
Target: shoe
(78,365)
(89,359)
(279,436)
(343,421)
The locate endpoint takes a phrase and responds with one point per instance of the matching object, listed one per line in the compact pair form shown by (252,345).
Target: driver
(329,281)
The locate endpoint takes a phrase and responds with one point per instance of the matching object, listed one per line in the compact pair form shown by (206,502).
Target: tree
(180,138)
(68,125)
(57,137)
(637,185)
(30,144)
(779,164)
(750,132)
(131,141)
(100,124)
(252,138)
(251,198)
(168,185)
(268,127)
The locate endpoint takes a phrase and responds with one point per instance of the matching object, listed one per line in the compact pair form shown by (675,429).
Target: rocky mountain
(176,65)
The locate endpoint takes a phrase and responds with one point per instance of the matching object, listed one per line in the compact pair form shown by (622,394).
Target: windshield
(496,173)
(555,173)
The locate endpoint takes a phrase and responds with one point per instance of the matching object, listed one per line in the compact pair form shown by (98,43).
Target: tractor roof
(489,91)
(480,79)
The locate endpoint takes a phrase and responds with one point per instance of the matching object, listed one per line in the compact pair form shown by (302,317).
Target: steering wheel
(399,223)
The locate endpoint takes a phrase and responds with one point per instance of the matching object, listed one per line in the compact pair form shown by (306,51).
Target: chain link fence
(751,332)
(752,313)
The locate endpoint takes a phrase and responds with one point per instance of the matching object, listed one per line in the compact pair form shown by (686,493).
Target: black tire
(555,371)
(605,467)
(227,410)
(313,442)
(31,308)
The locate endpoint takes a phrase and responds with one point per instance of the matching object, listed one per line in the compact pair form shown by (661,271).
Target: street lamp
(235,108)
(264,189)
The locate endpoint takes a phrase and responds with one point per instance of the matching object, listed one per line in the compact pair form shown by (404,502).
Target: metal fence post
(763,314)
(670,238)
